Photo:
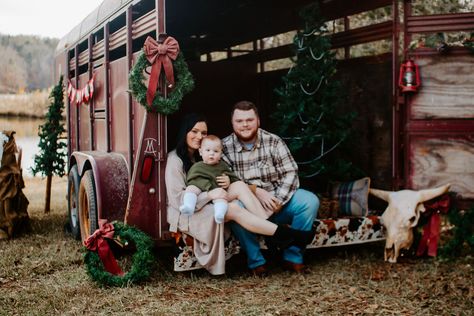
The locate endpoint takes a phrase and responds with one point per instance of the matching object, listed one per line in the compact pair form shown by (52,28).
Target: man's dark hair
(244,106)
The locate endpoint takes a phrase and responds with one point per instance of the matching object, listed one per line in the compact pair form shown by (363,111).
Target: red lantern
(409,78)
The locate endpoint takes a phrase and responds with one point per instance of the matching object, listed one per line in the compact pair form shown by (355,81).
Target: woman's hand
(268,200)
(223,181)
(217,193)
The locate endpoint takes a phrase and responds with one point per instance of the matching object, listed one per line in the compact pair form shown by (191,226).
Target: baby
(202,177)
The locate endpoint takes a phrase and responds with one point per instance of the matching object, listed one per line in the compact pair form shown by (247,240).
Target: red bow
(160,55)
(431,231)
(97,242)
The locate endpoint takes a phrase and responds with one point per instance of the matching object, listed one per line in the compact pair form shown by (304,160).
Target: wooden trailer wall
(440,124)
(437,122)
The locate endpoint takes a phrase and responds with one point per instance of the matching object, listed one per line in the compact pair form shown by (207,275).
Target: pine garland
(443,42)
(169,105)
(142,260)
(463,232)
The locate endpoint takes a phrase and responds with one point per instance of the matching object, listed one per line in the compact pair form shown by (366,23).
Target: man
(262,159)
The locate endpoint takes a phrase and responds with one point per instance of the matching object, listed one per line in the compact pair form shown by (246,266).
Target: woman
(209,236)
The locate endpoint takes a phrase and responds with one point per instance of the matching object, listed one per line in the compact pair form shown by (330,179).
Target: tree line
(27,63)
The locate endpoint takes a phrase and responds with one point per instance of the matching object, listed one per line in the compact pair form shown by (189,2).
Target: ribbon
(160,55)
(431,230)
(97,242)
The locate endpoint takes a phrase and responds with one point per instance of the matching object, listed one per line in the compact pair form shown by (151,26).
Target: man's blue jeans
(299,212)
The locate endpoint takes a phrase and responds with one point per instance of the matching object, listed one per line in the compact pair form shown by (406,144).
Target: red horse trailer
(117,150)
(110,135)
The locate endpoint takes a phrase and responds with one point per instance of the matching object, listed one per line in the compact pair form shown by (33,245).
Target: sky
(45,18)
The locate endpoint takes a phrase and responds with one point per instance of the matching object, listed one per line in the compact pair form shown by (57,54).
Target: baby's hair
(212,138)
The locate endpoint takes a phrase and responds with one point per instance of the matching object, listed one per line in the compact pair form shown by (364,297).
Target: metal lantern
(409,79)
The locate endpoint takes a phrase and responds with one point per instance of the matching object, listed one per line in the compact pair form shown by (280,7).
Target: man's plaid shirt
(269,164)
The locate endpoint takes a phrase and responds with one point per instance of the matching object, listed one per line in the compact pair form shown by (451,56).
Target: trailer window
(371,49)
(117,23)
(370,17)
(141,8)
(71,55)
(117,53)
(99,35)
(441,7)
(83,46)
(284,63)
(140,41)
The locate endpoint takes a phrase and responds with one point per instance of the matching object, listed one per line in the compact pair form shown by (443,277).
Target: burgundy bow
(97,242)
(431,231)
(160,55)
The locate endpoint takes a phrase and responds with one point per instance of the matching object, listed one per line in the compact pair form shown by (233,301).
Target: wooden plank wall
(440,125)
(437,161)
(447,88)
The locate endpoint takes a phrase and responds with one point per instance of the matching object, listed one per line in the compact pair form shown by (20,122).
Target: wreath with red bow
(100,261)
(158,56)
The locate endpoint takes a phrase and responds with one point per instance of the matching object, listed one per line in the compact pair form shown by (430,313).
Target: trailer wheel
(87,205)
(73,202)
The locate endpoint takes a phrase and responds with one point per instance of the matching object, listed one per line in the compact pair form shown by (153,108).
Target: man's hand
(268,200)
(218,193)
(223,181)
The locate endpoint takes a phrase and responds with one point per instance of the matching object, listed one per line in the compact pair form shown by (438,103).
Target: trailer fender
(110,173)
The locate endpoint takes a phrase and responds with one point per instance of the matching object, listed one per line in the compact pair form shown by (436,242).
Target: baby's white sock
(189,203)
(220,209)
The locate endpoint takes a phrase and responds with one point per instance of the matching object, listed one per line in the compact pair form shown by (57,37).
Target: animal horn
(428,194)
(381,194)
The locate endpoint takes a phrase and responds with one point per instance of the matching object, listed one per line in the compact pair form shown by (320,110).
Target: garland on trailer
(83,95)
(443,42)
(160,56)
(100,261)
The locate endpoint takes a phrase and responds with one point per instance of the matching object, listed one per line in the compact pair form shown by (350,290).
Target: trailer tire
(87,205)
(73,202)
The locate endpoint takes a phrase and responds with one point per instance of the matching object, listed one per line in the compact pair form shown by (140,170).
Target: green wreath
(142,260)
(184,84)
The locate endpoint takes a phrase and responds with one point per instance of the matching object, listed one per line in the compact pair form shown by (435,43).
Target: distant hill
(26,63)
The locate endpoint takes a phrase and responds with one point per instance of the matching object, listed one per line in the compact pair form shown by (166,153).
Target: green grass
(42,273)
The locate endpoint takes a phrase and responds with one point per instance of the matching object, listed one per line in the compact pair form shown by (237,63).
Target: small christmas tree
(50,159)
(307,115)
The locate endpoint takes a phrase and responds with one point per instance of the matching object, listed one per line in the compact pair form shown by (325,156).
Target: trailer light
(147,168)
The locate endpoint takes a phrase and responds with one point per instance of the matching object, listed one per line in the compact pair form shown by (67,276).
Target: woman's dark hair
(187,124)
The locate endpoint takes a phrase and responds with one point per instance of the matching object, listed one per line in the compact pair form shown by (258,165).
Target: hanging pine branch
(462,239)
(50,159)
(307,114)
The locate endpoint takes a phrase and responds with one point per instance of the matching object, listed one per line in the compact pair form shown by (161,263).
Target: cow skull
(402,214)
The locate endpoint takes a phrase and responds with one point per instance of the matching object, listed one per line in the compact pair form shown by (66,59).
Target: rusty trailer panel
(438,160)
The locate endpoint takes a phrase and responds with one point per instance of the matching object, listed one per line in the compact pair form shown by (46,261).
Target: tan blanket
(13,203)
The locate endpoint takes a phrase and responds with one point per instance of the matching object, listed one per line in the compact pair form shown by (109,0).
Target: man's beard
(250,138)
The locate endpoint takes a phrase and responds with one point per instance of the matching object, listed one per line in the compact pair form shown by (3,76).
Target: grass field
(34,104)
(42,273)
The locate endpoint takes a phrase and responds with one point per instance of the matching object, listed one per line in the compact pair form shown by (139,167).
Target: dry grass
(34,104)
(42,273)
